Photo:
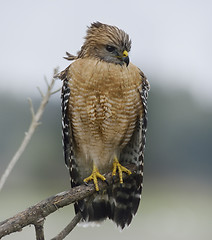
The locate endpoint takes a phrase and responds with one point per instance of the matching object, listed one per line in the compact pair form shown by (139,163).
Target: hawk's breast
(104,106)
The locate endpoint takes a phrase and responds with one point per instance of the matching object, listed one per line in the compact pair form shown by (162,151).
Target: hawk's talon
(121,169)
(93,177)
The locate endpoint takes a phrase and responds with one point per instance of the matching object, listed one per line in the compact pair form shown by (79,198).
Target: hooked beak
(126,57)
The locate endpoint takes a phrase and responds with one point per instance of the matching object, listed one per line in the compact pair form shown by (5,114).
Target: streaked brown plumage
(104,121)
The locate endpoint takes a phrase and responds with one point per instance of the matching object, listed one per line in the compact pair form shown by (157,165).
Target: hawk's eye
(110,48)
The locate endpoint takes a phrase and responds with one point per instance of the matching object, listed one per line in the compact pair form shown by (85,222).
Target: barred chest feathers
(104,106)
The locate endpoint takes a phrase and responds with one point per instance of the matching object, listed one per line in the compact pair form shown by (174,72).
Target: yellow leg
(117,165)
(93,177)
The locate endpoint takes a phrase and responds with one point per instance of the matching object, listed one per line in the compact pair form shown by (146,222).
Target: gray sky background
(172,40)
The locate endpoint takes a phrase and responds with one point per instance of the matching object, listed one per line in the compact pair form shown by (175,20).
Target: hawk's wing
(67,130)
(134,150)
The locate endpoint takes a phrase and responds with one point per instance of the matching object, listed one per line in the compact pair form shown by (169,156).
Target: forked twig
(28,135)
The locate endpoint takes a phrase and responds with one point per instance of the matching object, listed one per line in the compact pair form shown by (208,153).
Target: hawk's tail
(118,203)
(125,200)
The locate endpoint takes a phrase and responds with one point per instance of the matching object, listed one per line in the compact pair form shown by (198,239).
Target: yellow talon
(93,177)
(117,165)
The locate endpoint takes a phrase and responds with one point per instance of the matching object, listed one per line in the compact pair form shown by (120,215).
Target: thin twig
(58,90)
(41,93)
(46,81)
(31,108)
(28,135)
(69,227)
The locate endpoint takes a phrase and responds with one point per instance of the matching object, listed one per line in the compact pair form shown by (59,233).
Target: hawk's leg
(93,177)
(120,168)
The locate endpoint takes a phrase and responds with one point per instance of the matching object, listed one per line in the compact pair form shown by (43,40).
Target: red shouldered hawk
(104,107)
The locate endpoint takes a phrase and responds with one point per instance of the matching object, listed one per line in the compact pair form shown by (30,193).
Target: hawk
(104,108)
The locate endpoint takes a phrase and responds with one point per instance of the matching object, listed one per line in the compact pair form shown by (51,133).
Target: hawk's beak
(126,57)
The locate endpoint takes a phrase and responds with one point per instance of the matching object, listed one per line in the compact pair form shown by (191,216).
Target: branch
(38,212)
(28,135)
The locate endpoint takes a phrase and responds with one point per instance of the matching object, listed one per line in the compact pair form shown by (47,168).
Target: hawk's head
(107,43)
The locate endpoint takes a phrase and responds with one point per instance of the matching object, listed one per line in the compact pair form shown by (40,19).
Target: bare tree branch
(34,214)
(28,135)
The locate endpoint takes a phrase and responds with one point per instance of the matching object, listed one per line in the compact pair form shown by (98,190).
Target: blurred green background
(172,45)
